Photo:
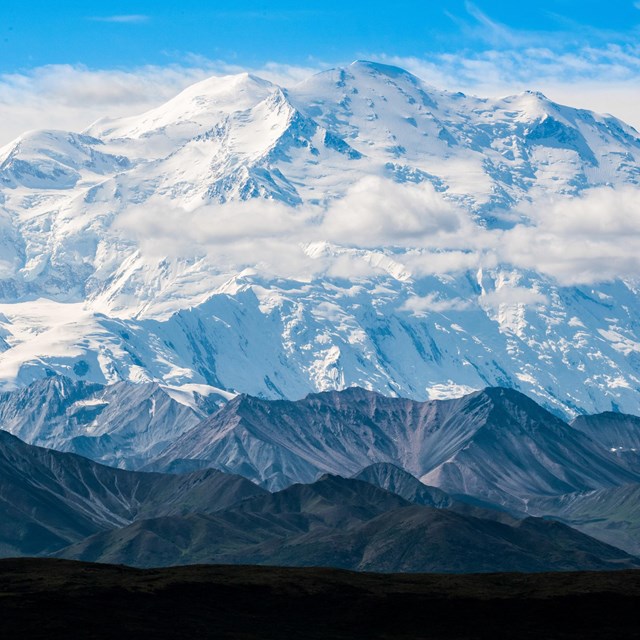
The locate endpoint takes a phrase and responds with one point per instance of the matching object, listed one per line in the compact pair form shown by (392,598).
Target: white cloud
(348,265)
(378,212)
(432,303)
(586,239)
(233,236)
(134,18)
(404,230)
(511,295)
(493,31)
(429,262)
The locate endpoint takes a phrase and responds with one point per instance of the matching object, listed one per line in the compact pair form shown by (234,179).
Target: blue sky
(127,34)
(64,64)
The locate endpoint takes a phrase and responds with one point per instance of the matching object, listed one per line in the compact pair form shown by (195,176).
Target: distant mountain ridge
(120,425)
(496,444)
(618,432)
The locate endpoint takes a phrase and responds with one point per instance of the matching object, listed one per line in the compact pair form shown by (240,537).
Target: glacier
(359,228)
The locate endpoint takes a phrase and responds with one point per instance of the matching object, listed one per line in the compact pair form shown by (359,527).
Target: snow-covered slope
(121,424)
(488,153)
(352,229)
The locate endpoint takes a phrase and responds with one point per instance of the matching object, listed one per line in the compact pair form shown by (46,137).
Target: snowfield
(360,228)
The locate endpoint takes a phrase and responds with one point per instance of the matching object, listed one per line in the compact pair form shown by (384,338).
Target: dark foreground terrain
(42,598)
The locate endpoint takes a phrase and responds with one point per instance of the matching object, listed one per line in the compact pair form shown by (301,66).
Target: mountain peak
(535,94)
(509,402)
(351,393)
(221,84)
(395,479)
(380,68)
(196,108)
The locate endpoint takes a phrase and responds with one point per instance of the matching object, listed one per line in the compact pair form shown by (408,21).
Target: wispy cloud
(603,79)
(433,303)
(72,97)
(560,32)
(133,18)
(513,295)
(493,31)
(273,15)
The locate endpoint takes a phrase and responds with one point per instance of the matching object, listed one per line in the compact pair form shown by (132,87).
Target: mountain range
(357,321)
(359,228)
(62,504)
(515,488)
(496,444)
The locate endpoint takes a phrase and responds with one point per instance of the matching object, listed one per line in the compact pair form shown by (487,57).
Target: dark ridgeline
(496,443)
(50,499)
(63,504)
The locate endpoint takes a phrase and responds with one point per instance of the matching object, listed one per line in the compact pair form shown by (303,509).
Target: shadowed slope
(350,524)
(49,499)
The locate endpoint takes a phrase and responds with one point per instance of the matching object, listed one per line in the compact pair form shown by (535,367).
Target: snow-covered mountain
(358,228)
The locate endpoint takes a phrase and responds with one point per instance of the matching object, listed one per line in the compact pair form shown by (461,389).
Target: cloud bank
(403,230)
(592,238)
